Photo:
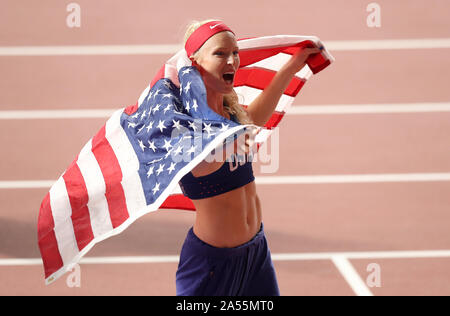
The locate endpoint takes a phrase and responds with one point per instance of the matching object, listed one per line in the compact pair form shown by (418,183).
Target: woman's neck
(215,102)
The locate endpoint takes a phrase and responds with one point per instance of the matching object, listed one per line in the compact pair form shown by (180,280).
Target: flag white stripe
(282,40)
(96,189)
(62,212)
(274,41)
(274,63)
(177,190)
(247,95)
(305,73)
(129,164)
(263,135)
(143,95)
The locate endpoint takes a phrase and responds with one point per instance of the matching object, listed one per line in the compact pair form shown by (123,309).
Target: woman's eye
(222,54)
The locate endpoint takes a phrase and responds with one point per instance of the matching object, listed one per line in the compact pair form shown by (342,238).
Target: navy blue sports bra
(232,175)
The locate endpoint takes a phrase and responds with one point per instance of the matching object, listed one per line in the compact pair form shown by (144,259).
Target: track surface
(347,223)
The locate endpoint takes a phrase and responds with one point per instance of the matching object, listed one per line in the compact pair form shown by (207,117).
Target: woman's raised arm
(261,109)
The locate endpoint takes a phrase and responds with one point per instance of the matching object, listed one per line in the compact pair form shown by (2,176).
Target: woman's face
(218,60)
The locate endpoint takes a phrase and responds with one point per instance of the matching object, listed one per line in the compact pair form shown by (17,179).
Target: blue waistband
(200,247)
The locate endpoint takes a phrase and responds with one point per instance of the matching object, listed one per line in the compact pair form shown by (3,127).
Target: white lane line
(351,276)
(369,108)
(130,260)
(27,184)
(419,43)
(163,49)
(409,254)
(293,110)
(56,114)
(89,50)
(355,178)
(319,179)
(414,254)
(20,262)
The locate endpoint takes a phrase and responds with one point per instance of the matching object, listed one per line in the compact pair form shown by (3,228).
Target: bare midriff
(229,219)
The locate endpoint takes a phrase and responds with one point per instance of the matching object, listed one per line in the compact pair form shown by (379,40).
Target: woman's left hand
(298,60)
(244,144)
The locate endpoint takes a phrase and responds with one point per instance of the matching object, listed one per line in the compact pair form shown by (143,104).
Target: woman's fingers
(314,50)
(248,141)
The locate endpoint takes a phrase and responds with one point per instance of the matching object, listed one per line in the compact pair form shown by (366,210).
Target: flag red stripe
(78,197)
(178,201)
(316,62)
(48,245)
(159,75)
(112,174)
(130,110)
(251,56)
(260,78)
(274,120)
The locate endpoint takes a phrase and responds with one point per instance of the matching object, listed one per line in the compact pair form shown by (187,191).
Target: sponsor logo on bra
(237,160)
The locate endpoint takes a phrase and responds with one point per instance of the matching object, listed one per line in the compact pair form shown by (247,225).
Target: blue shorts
(246,270)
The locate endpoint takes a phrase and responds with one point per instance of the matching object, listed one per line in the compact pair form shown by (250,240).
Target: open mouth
(228,77)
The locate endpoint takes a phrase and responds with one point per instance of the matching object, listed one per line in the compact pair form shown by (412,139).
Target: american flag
(132,166)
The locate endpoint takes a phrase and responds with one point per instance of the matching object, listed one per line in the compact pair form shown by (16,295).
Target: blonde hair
(230,101)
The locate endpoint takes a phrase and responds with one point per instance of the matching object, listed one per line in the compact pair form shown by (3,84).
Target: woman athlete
(226,252)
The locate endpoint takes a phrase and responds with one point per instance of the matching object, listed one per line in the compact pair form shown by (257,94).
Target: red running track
(305,219)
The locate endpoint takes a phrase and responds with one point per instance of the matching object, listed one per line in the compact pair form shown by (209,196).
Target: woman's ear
(195,64)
